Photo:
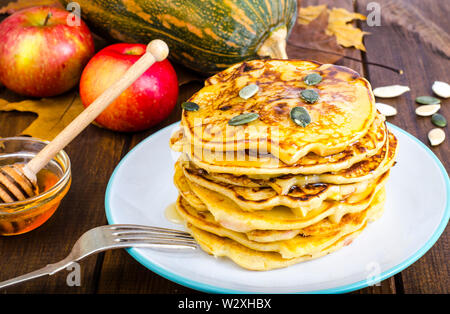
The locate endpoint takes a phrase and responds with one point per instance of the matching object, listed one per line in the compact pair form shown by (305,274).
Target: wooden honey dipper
(18,181)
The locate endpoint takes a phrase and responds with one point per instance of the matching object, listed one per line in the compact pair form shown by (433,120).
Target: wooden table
(117,272)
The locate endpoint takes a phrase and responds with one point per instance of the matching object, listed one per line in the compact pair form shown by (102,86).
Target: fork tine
(129,227)
(170,243)
(149,230)
(136,236)
(127,233)
(156,240)
(140,235)
(151,234)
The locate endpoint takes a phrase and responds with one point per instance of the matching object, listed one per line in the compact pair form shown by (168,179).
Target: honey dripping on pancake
(172,214)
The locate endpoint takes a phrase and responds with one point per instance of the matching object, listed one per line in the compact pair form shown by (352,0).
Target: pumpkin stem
(275,46)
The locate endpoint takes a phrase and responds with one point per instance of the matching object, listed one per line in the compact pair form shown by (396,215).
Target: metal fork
(110,237)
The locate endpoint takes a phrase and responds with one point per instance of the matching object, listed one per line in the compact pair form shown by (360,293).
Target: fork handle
(50,269)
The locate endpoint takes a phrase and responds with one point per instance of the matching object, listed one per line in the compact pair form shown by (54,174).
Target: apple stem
(49,15)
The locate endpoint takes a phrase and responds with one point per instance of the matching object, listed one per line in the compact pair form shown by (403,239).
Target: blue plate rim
(341,289)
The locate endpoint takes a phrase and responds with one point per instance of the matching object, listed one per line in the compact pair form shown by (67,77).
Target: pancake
(228,214)
(341,116)
(363,170)
(300,199)
(366,169)
(277,176)
(294,247)
(185,191)
(253,259)
(267,165)
(322,228)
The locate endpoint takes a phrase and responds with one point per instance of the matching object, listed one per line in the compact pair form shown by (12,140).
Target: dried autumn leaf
(12,7)
(338,24)
(349,36)
(310,41)
(310,13)
(54,114)
(342,16)
(346,34)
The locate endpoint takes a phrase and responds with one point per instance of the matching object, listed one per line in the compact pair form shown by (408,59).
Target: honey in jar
(53,183)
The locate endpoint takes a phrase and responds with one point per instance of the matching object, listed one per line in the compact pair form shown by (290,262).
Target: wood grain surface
(96,152)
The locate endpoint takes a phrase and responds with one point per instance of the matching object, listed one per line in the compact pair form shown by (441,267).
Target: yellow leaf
(23,4)
(338,24)
(342,16)
(54,114)
(310,13)
(346,34)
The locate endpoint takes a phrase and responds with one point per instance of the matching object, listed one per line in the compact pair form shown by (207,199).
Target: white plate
(417,211)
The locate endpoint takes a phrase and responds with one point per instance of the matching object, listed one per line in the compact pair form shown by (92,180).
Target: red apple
(40,54)
(148,101)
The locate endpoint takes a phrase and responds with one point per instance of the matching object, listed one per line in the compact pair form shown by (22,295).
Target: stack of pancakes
(270,192)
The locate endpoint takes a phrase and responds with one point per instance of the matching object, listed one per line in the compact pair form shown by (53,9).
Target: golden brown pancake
(228,214)
(286,185)
(296,246)
(324,227)
(253,259)
(341,116)
(366,169)
(243,163)
(300,199)
(185,191)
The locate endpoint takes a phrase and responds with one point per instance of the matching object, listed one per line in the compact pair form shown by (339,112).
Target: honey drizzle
(172,215)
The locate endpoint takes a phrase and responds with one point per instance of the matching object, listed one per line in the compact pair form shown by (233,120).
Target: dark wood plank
(390,45)
(122,274)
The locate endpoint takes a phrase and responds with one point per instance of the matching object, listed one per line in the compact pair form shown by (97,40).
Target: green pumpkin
(206,36)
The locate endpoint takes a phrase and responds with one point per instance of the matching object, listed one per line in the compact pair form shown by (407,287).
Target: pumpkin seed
(243,118)
(390,91)
(313,79)
(427,100)
(309,95)
(439,120)
(427,110)
(441,89)
(386,110)
(248,91)
(436,136)
(190,106)
(300,116)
